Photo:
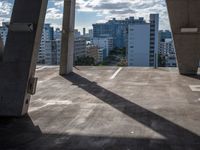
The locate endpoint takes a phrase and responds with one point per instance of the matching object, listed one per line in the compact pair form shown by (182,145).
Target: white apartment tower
(138,45)
(142,42)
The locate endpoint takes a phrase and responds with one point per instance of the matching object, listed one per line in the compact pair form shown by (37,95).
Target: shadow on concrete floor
(193,76)
(173,133)
(22,134)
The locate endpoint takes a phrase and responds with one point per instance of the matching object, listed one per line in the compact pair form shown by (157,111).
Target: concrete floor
(95,108)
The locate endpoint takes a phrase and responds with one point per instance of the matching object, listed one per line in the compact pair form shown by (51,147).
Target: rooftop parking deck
(112,108)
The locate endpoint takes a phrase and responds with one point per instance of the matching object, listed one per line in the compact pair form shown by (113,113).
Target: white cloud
(54,13)
(122,9)
(106,8)
(5,10)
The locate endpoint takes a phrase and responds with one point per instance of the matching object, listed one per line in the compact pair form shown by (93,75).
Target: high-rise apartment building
(45,52)
(77,33)
(47,35)
(166,47)
(142,41)
(167,50)
(91,33)
(164,34)
(4,31)
(92,51)
(79,48)
(104,43)
(154,27)
(117,29)
(48,57)
(84,31)
(57,48)
(57,34)
(138,45)
(101,54)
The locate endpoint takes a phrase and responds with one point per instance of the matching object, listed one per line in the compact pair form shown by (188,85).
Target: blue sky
(96,11)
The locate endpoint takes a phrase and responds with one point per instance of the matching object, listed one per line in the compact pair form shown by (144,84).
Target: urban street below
(112,108)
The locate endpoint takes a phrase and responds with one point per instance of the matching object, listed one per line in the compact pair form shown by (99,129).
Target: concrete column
(185,24)
(17,81)
(1,49)
(67,46)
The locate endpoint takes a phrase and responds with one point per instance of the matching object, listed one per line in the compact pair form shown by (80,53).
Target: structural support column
(17,69)
(1,49)
(67,46)
(185,24)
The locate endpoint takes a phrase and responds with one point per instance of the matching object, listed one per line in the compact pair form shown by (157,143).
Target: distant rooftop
(126,20)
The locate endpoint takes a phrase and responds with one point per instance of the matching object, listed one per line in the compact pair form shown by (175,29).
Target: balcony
(108,108)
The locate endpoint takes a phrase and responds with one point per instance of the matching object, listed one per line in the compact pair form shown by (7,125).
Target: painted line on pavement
(195,88)
(40,68)
(116,73)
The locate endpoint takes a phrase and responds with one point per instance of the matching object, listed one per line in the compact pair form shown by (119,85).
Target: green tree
(122,63)
(85,61)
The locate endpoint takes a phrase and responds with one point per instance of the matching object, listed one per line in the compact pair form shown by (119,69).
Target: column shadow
(173,133)
(23,134)
(15,132)
(193,76)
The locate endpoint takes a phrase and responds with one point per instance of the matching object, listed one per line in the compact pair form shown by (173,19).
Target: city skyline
(134,52)
(97,11)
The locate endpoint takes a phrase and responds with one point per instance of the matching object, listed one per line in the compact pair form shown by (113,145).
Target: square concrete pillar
(1,49)
(17,69)
(185,24)
(67,45)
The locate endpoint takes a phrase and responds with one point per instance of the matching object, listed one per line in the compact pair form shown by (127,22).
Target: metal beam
(17,81)
(67,46)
